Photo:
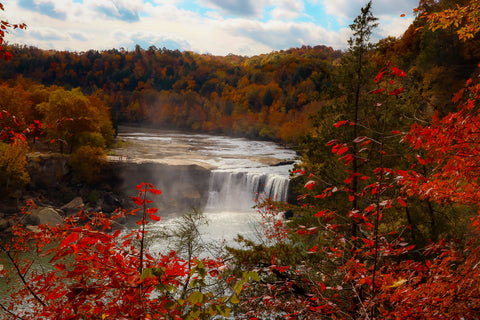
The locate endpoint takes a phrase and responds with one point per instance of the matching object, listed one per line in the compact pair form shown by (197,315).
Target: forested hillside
(268,96)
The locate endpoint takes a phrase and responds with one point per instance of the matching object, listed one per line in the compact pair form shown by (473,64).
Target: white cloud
(259,26)
(288,9)
(349,9)
(393,26)
(245,8)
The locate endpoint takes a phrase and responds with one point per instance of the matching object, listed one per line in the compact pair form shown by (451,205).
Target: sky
(217,27)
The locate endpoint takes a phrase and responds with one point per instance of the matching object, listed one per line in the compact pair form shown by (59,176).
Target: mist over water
(242,170)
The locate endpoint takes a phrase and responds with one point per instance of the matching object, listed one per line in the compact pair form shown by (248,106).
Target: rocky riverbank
(56,194)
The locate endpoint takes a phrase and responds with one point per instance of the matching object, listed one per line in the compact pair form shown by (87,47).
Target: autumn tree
(87,164)
(463,18)
(74,119)
(13,164)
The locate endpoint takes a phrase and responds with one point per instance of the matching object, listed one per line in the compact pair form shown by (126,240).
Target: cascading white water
(238,191)
(244,170)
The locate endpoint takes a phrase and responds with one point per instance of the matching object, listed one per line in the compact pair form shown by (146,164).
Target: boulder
(34,229)
(47,215)
(73,206)
(4,224)
(110,202)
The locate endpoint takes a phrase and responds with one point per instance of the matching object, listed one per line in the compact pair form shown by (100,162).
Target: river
(241,171)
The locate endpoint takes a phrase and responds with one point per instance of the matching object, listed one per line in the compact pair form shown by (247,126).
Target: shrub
(87,163)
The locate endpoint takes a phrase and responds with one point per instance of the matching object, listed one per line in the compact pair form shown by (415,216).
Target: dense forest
(269,96)
(265,96)
(385,223)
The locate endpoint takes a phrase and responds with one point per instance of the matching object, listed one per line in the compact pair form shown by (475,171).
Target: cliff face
(183,186)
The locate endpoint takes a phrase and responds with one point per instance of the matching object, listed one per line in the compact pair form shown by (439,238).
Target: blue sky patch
(47,8)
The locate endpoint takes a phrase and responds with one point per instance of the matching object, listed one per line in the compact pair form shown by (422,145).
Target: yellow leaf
(234,299)
(398,283)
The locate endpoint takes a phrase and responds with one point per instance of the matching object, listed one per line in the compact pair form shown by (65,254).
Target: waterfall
(238,191)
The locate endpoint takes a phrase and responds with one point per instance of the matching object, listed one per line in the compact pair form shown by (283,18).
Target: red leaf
(379,76)
(420,160)
(313,250)
(365,143)
(72,237)
(340,123)
(322,287)
(402,202)
(396,92)
(368,242)
(60,266)
(154,217)
(320,213)
(154,191)
(398,72)
(310,184)
(331,142)
(138,201)
(151,210)
(342,150)
(376,91)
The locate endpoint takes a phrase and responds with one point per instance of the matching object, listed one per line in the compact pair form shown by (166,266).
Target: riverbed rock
(109,202)
(73,207)
(34,229)
(46,215)
(4,224)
